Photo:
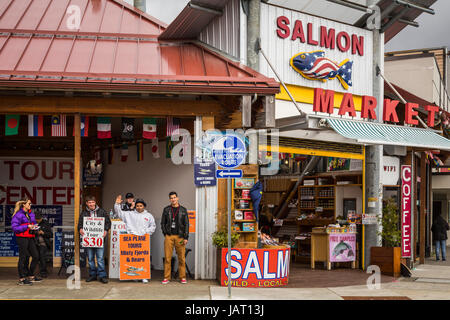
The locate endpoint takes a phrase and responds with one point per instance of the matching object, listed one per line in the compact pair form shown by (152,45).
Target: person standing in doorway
(439,229)
(93,210)
(139,221)
(129,202)
(24,226)
(43,237)
(175,228)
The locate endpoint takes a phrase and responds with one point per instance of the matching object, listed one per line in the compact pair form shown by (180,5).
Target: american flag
(59,126)
(172,125)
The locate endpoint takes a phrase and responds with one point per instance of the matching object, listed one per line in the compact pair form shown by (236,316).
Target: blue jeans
(98,270)
(441,244)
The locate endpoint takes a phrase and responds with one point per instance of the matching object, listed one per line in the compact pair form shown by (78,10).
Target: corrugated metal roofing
(116,45)
(378,133)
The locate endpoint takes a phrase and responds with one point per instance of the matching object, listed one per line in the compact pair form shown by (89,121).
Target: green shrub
(220,238)
(391,233)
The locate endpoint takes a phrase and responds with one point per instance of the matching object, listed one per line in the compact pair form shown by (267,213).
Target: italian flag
(104,127)
(149,129)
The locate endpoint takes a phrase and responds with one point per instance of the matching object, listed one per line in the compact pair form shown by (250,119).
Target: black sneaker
(91,278)
(36,279)
(25,282)
(103,280)
(437,259)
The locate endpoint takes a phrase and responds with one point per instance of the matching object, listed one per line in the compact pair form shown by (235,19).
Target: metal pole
(229,236)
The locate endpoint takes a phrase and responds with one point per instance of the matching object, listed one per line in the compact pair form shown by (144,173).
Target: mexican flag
(12,124)
(149,129)
(104,127)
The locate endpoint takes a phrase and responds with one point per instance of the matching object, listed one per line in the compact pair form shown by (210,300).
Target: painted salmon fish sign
(314,66)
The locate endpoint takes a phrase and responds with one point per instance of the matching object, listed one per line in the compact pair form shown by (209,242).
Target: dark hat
(129,195)
(140,201)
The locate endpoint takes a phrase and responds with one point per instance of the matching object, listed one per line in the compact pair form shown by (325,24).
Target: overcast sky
(433,31)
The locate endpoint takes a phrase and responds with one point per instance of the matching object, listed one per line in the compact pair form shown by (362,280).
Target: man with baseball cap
(129,202)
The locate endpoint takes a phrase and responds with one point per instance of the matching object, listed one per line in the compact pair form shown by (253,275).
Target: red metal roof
(115,46)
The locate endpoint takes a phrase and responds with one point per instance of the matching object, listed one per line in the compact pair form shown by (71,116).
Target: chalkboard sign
(8,245)
(68,249)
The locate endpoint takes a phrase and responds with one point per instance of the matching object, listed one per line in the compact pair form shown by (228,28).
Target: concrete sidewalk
(428,282)
(209,290)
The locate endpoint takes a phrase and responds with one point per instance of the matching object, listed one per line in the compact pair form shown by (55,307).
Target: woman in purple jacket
(23,224)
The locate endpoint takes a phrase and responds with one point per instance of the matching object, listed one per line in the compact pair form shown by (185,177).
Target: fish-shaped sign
(314,66)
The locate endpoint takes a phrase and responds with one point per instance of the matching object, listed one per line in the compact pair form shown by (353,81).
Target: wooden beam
(108,106)
(77,185)
(208,123)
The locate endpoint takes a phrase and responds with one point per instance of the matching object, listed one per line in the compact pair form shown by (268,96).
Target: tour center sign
(134,257)
(93,228)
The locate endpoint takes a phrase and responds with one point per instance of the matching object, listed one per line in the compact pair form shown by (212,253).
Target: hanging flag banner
(12,124)
(169,147)
(84,126)
(103,127)
(155,148)
(172,125)
(127,129)
(140,150)
(59,126)
(35,126)
(149,128)
(406,211)
(124,152)
(111,154)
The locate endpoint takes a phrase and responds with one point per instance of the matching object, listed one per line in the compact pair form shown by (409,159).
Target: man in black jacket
(43,243)
(439,229)
(92,210)
(175,227)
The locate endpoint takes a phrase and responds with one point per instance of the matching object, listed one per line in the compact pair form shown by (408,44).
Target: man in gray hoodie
(139,221)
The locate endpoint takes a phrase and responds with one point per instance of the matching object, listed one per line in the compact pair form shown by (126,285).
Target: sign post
(229,152)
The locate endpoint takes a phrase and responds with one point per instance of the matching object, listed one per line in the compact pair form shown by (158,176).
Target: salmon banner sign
(254,268)
(134,257)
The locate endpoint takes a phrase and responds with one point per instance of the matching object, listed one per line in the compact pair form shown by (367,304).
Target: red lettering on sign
(327,40)
(10,193)
(297,32)
(44,170)
(310,35)
(431,114)
(282,23)
(368,107)
(343,35)
(389,110)
(347,105)
(65,167)
(24,170)
(57,195)
(323,101)
(410,112)
(11,164)
(357,44)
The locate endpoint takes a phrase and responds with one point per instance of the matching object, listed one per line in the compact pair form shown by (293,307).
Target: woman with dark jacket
(439,229)
(23,224)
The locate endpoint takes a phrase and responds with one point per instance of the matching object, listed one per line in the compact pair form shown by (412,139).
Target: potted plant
(220,241)
(388,257)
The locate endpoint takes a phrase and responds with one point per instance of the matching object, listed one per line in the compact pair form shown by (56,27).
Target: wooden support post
(423,189)
(269,111)
(246,108)
(77,185)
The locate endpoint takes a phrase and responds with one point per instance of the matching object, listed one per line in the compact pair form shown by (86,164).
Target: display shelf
(247,239)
